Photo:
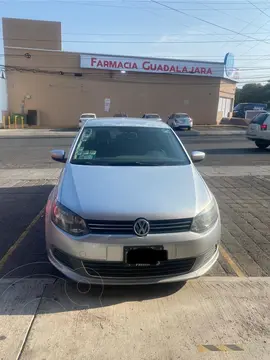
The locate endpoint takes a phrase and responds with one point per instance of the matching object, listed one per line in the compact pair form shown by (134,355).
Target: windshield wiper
(119,163)
(90,162)
(139,163)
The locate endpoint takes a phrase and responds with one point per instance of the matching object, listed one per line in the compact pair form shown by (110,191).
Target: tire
(261,145)
(189,128)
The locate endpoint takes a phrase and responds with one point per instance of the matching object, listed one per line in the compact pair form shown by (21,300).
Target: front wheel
(261,145)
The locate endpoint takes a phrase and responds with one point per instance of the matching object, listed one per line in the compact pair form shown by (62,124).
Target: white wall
(3,95)
(225,105)
(3,82)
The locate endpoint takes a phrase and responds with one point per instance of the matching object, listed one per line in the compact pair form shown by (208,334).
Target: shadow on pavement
(27,275)
(18,207)
(183,133)
(64,295)
(65,130)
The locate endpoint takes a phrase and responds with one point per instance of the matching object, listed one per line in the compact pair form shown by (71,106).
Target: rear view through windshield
(182,116)
(128,146)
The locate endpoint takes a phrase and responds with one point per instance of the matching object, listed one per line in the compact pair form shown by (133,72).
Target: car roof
(180,113)
(136,122)
(88,114)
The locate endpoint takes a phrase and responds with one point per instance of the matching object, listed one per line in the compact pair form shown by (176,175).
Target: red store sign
(152,65)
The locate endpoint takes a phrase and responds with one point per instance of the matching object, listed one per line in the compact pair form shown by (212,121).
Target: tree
(257,93)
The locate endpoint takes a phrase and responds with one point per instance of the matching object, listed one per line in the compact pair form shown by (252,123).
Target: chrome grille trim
(126,227)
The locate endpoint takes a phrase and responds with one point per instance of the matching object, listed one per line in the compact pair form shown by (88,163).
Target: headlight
(67,220)
(206,218)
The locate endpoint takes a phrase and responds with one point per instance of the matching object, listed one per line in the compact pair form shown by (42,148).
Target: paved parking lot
(220,316)
(244,205)
(27,176)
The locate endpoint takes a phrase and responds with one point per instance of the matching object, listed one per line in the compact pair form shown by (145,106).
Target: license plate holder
(144,255)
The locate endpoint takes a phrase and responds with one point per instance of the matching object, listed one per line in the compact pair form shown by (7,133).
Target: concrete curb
(71,134)
(38,137)
(222,133)
(187,133)
(28,134)
(210,133)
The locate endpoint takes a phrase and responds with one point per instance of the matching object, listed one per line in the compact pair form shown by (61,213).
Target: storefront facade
(60,86)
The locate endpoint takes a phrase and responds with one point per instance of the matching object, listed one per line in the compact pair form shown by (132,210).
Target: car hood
(126,193)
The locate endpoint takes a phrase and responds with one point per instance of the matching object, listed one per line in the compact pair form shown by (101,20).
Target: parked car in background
(113,219)
(259,130)
(152,116)
(180,121)
(86,116)
(120,115)
(240,109)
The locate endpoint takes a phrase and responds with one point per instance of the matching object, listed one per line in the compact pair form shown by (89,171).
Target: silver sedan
(180,121)
(130,207)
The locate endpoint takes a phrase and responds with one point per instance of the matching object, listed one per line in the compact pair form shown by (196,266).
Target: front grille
(117,269)
(126,227)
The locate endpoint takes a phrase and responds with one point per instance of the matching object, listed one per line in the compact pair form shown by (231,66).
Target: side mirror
(58,155)
(197,156)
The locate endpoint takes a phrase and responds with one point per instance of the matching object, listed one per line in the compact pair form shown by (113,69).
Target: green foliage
(254,93)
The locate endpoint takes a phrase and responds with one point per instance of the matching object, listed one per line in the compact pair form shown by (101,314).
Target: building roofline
(116,55)
(130,56)
(26,19)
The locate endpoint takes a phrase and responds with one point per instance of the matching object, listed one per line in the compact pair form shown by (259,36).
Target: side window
(259,119)
(267,120)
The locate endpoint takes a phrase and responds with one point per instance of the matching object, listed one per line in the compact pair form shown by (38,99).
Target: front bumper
(82,276)
(254,137)
(99,259)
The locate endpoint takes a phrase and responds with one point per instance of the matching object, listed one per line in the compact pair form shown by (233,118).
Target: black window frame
(257,120)
(75,161)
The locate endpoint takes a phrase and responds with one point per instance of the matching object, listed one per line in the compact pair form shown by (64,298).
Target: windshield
(182,116)
(130,146)
(239,107)
(259,119)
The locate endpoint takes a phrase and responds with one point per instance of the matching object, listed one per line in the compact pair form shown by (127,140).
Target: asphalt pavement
(238,174)
(27,175)
(221,151)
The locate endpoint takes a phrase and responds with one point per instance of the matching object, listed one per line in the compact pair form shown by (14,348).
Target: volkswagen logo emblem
(141,227)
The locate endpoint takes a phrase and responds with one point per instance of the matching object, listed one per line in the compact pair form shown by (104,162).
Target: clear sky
(204,30)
